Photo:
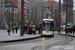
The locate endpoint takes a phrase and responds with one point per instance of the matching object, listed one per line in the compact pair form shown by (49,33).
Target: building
(74,17)
(52,3)
(51,7)
(11,13)
(69,10)
(15,2)
(14,12)
(1,13)
(38,10)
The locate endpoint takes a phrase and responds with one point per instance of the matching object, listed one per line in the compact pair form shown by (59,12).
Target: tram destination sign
(47,21)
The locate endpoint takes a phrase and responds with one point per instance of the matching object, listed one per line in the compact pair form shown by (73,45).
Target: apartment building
(69,9)
(1,13)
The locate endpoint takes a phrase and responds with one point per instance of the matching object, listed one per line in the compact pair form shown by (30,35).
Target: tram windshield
(48,25)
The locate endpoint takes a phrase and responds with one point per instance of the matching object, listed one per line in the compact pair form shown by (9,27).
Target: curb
(19,40)
(67,35)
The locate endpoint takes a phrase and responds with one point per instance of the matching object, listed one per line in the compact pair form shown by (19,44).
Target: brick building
(69,10)
(54,5)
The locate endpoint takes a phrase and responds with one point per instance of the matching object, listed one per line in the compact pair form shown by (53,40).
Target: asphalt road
(42,43)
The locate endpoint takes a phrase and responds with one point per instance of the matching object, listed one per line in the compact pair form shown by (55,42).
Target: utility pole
(22,17)
(28,16)
(51,8)
(42,11)
(59,15)
(36,15)
(32,15)
(66,14)
(9,16)
(18,18)
(12,15)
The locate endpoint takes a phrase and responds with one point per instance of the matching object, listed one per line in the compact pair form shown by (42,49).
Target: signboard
(47,21)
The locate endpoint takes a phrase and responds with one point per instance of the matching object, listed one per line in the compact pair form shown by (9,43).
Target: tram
(48,27)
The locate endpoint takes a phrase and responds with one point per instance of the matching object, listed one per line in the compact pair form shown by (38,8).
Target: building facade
(15,2)
(51,7)
(69,5)
(11,13)
(38,10)
(1,13)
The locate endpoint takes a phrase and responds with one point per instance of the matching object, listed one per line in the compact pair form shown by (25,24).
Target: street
(42,43)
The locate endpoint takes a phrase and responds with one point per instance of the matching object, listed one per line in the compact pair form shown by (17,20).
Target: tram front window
(48,26)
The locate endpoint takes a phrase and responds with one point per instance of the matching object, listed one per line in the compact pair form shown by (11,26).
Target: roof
(48,19)
(7,4)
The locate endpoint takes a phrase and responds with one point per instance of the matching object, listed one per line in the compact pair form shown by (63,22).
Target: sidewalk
(63,33)
(4,37)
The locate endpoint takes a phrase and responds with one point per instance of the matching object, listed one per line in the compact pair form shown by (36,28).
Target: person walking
(16,28)
(36,29)
(13,28)
(28,29)
(25,29)
(8,30)
(39,30)
(73,29)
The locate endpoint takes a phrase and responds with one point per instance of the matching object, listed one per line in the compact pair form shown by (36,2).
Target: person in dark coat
(39,29)
(25,29)
(16,28)
(13,28)
(65,30)
(30,30)
(73,29)
(8,30)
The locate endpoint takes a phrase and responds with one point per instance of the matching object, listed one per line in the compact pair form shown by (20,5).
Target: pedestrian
(16,28)
(36,29)
(70,30)
(13,28)
(39,30)
(8,30)
(30,30)
(25,29)
(65,30)
(73,29)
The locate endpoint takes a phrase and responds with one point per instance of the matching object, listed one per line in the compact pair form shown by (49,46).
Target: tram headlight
(43,31)
(51,31)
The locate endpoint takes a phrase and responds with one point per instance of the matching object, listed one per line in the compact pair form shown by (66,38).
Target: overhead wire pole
(51,8)
(18,18)
(36,14)
(9,16)
(66,14)
(22,17)
(59,15)
(42,11)
(12,15)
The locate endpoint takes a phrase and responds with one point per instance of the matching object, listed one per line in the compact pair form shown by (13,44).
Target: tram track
(47,46)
